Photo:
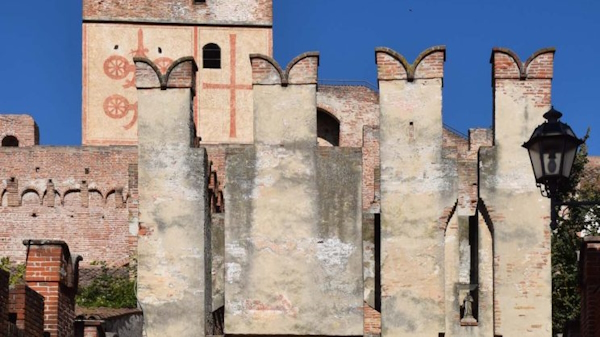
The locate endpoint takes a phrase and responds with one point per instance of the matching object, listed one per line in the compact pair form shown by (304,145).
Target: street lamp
(552,149)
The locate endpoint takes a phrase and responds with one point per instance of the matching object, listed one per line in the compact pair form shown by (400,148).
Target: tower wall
(511,203)
(418,193)
(115,31)
(174,249)
(293,225)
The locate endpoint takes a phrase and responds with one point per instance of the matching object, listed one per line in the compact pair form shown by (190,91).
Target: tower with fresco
(219,35)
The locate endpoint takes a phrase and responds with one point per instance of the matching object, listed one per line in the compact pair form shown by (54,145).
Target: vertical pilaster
(173,254)
(418,192)
(511,204)
(293,231)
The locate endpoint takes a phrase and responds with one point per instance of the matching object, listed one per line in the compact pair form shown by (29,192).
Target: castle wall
(174,252)
(418,192)
(23,127)
(293,226)
(81,195)
(213,12)
(516,211)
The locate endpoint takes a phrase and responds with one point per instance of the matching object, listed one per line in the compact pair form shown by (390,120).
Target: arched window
(211,56)
(328,129)
(10,141)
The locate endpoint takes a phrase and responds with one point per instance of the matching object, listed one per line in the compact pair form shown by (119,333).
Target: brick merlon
(429,64)
(507,65)
(180,74)
(301,70)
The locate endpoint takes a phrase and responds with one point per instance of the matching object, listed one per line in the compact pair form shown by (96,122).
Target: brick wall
(372,321)
(51,271)
(248,12)
(81,195)
(370,150)
(4,277)
(28,306)
(354,106)
(23,127)
(589,270)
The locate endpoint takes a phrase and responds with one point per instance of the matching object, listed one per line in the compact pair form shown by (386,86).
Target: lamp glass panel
(569,157)
(536,160)
(552,156)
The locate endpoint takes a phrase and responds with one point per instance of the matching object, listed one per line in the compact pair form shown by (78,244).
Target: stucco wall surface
(418,189)
(293,226)
(173,212)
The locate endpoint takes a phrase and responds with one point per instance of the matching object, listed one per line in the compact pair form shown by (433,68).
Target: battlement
(208,12)
(18,131)
(507,65)
(391,65)
(302,69)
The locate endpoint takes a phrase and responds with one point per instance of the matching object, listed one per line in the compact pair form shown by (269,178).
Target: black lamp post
(552,149)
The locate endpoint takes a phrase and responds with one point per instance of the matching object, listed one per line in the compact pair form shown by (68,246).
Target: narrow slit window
(211,56)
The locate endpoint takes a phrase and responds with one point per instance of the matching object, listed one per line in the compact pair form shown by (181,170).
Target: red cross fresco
(232,86)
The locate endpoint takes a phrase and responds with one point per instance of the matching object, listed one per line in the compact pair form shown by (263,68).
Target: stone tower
(219,34)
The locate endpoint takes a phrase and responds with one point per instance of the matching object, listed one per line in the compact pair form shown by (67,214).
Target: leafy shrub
(17,271)
(111,289)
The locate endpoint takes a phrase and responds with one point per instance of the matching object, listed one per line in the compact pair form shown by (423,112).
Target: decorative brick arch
(31,190)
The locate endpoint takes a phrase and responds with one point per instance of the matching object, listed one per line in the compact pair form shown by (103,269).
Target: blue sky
(41,52)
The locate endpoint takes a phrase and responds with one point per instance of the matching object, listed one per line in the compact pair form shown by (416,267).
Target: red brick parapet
(589,279)
(28,306)
(303,69)
(4,279)
(393,66)
(180,74)
(51,271)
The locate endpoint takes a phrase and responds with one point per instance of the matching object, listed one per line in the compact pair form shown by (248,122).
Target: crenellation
(258,200)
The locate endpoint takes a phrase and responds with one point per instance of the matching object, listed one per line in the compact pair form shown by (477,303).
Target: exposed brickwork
(28,305)
(372,321)
(105,230)
(4,277)
(50,271)
(507,65)
(370,191)
(389,68)
(249,12)
(23,127)
(353,106)
(393,66)
(265,70)
(93,329)
(183,74)
(303,69)
(589,266)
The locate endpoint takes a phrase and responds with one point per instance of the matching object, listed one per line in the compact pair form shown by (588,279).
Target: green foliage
(111,289)
(566,242)
(17,271)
